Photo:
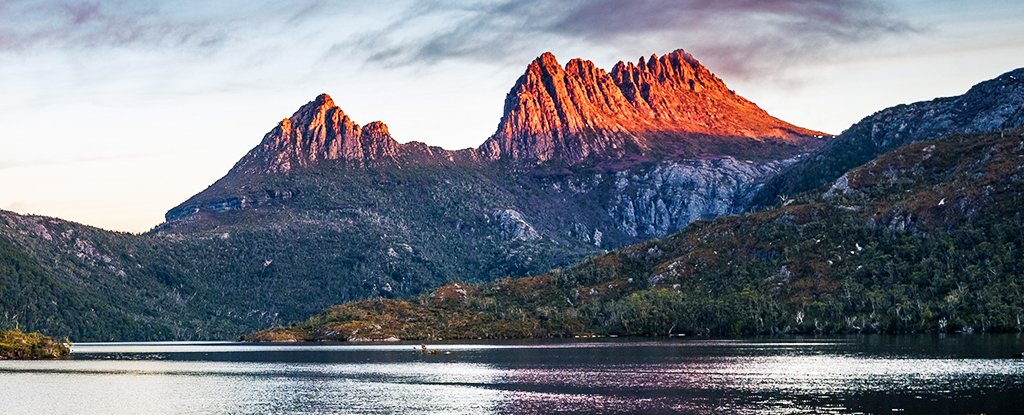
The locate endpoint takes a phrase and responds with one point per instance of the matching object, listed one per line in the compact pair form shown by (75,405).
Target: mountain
(629,155)
(325,210)
(661,109)
(925,238)
(343,210)
(668,109)
(580,111)
(992,105)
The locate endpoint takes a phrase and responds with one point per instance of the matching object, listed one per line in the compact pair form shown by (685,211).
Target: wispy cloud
(743,37)
(26,25)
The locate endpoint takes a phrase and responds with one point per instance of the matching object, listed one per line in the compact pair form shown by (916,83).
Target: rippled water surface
(872,374)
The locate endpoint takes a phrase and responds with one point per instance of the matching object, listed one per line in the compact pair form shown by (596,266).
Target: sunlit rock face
(650,110)
(659,110)
(320,131)
(581,111)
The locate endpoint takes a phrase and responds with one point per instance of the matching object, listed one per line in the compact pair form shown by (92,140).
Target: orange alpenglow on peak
(320,130)
(569,114)
(579,111)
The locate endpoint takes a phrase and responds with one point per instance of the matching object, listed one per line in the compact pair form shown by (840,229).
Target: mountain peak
(376,129)
(546,60)
(581,111)
(320,130)
(319,105)
(324,99)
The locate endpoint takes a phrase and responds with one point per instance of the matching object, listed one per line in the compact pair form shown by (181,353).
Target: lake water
(864,374)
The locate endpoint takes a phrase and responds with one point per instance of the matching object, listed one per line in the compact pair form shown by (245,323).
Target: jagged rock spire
(320,130)
(571,113)
(580,110)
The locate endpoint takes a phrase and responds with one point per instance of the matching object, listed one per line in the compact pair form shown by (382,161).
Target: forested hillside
(926,238)
(993,105)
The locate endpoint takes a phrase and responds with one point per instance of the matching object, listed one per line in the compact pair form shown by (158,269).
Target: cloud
(29,25)
(742,37)
(752,39)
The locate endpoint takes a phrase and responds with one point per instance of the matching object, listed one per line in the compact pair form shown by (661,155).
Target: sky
(113,112)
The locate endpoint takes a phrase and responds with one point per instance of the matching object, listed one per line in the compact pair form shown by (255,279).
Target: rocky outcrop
(553,113)
(318,131)
(579,111)
(513,226)
(666,198)
(568,113)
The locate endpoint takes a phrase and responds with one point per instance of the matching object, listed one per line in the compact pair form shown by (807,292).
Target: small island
(18,345)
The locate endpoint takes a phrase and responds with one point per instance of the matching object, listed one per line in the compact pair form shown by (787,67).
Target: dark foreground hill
(926,238)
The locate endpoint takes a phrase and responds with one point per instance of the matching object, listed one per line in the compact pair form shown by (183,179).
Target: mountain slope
(87,283)
(924,238)
(989,106)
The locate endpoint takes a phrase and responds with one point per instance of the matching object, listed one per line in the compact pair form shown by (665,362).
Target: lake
(861,374)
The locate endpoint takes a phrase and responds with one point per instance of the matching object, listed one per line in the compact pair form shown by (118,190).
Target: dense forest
(926,238)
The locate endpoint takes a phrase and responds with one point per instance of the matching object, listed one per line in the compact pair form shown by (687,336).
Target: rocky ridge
(993,105)
(661,111)
(566,114)
(321,131)
(581,111)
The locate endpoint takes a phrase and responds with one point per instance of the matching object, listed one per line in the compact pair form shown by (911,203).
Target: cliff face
(571,114)
(320,131)
(581,111)
(655,202)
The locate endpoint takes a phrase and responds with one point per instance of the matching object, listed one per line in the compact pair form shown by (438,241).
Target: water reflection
(850,375)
